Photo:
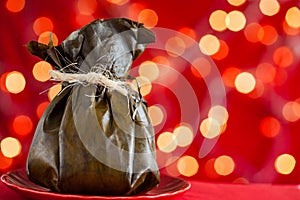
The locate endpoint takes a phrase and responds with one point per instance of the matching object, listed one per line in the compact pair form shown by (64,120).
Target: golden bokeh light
(291,111)
(254,32)
(118,2)
(292,17)
(156,114)
(22,125)
(201,67)
(269,7)
(41,70)
(187,166)
(269,127)
(209,44)
(229,76)
(166,142)
(236,2)
(161,60)
(15,5)
(149,69)
(41,108)
(145,85)
(235,20)
(224,165)
(269,34)
(184,135)
(15,82)
(10,147)
(53,91)
(45,37)
(148,17)
(245,82)
(210,128)
(175,46)
(265,72)
(42,24)
(87,7)
(219,113)
(283,56)
(285,164)
(222,52)
(217,20)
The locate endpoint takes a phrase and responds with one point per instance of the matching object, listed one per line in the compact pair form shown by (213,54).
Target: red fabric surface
(214,191)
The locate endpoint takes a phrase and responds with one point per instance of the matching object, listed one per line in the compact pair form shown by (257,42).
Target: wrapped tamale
(95,137)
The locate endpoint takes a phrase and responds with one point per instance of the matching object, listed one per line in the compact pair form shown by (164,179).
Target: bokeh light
(42,24)
(184,135)
(269,7)
(219,113)
(191,35)
(209,44)
(224,165)
(149,69)
(41,108)
(236,2)
(283,56)
(53,91)
(270,127)
(46,36)
(87,7)
(10,147)
(15,82)
(292,17)
(210,128)
(201,67)
(235,20)
(229,76)
(156,114)
(217,20)
(175,46)
(245,82)
(41,70)
(22,125)
(148,17)
(166,142)
(285,164)
(222,52)
(145,85)
(269,34)
(15,5)
(266,72)
(254,32)
(291,111)
(187,166)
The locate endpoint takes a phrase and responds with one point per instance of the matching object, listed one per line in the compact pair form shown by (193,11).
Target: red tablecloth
(215,191)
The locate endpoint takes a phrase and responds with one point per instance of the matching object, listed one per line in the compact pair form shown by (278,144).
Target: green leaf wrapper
(94,139)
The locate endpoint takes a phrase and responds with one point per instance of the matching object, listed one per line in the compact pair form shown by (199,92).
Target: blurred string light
(42,24)
(229,76)
(149,69)
(283,56)
(41,70)
(235,20)
(87,7)
(201,67)
(10,147)
(15,82)
(285,164)
(269,127)
(291,111)
(222,51)
(22,125)
(166,142)
(187,166)
(15,5)
(269,7)
(175,46)
(209,44)
(236,2)
(156,114)
(292,17)
(245,82)
(46,36)
(266,72)
(217,20)
(148,17)
(210,128)
(144,83)
(53,91)
(224,165)
(184,135)
(41,108)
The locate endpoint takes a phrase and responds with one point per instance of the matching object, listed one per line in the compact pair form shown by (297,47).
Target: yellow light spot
(252,32)
(217,20)
(15,82)
(148,17)
(44,38)
(292,17)
(269,34)
(245,82)
(42,24)
(41,70)
(187,166)
(269,7)
(15,5)
(236,2)
(184,135)
(224,165)
(145,85)
(161,60)
(10,147)
(283,56)
(54,90)
(156,114)
(201,67)
(175,46)
(285,164)
(235,20)
(266,72)
(87,7)
(22,125)
(210,128)
(209,44)
(269,127)
(219,113)
(291,111)
(118,2)
(166,142)
(149,69)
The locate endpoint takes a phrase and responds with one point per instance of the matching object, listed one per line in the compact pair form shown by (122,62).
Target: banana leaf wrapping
(95,137)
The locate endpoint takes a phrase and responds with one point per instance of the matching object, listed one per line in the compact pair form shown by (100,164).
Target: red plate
(18,181)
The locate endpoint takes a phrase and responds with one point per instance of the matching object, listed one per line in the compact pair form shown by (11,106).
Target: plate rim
(26,191)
